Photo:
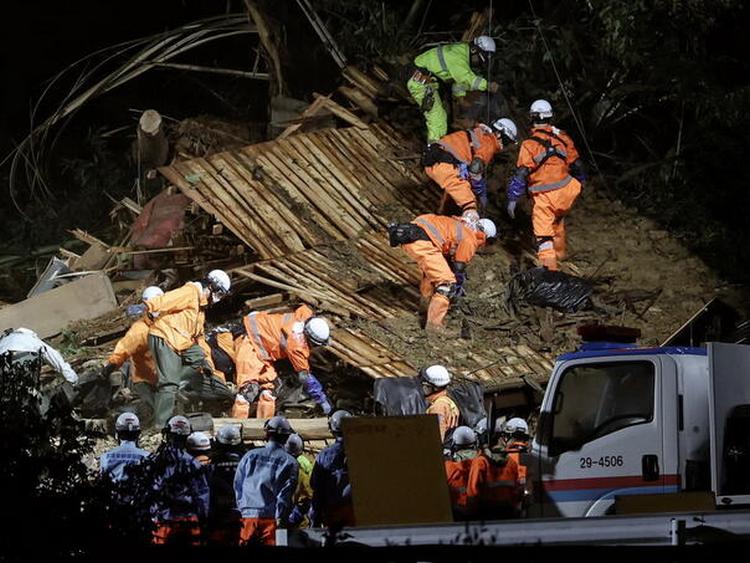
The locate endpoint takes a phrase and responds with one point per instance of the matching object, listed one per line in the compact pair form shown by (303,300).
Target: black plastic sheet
(544,288)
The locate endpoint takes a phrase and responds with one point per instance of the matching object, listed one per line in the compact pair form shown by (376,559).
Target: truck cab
(620,420)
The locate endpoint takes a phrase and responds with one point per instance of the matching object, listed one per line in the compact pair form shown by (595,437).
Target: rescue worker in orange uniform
(494,485)
(270,337)
(458,468)
(514,438)
(550,169)
(134,346)
(442,247)
(458,162)
(435,380)
(176,337)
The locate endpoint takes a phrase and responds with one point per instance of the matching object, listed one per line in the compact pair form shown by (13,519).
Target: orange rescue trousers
(251,368)
(435,272)
(548,219)
(446,176)
(181,531)
(258,531)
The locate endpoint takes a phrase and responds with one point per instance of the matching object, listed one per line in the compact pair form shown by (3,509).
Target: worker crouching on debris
(458,162)
(178,323)
(550,169)
(134,346)
(435,380)
(270,337)
(115,461)
(332,493)
(458,466)
(180,483)
(264,484)
(448,63)
(442,247)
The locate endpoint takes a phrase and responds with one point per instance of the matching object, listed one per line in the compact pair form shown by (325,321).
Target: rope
(579,124)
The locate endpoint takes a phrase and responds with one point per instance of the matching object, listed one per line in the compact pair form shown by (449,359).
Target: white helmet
(278,425)
(437,376)
(505,127)
(127,422)
(317,331)
(542,108)
(229,434)
(294,445)
(219,282)
(334,422)
(199,442)
(150,292)
(484,43)
(487,226)
(178,426)
(464,436)
(516,426)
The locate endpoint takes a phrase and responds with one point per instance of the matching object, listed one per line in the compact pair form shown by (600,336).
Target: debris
(49,313)
(546,288)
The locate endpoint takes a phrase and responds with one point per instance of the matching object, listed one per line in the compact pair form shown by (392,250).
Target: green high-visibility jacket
(451,63)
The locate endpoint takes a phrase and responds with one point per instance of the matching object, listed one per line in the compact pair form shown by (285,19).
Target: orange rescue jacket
(279,335)
(547,154)
(464,146)
(457,474)
(179,316)
(493,481)
(446,410)
(456,241)
(514,450)
(134,345)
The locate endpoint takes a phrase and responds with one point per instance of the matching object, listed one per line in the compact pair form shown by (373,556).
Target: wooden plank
(284,188)
(311,110)
(350,187)
(254,203)
(50,312)
(252,428)
(343,113)
(317,190)
(265,301)
(279,163)
(361,99)
(225,193)
(259,189)
(325,176)
(301,292)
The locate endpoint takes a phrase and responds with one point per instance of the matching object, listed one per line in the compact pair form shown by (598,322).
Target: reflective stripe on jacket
(474,143)
(452,236)
(279,335)
(265,481)
(178,316)
(134,345)
(547,174)
(451,63)
(457,472)
(493,480)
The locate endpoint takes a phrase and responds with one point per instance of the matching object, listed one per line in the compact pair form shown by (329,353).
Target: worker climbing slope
(453,63)
(270,337)
(550,169)
(442,247)
(458,162)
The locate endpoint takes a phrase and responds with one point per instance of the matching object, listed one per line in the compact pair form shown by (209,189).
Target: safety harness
(443,152)
(550,151)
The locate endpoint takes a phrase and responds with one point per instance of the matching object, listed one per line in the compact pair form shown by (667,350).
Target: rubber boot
(266,405)
(547,256)
(439,306)
(240,408)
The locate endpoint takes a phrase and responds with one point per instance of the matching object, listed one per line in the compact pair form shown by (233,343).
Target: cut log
(151,145)
(252,428)
(49,313)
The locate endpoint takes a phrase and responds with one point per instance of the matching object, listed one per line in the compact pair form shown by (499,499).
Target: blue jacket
(329,481)
(181,485)
(114,462)
(265,482)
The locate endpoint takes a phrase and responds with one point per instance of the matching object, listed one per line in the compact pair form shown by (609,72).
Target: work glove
(512,209)
(136,310)
(463,171)
(460,281)
(107,370)
(479,187)
(428,101)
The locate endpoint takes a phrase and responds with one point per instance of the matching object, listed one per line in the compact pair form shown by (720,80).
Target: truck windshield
(593,400)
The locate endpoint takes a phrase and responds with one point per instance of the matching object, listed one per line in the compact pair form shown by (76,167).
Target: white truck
(667,424)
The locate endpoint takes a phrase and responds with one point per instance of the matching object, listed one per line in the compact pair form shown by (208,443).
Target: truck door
(600,435)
